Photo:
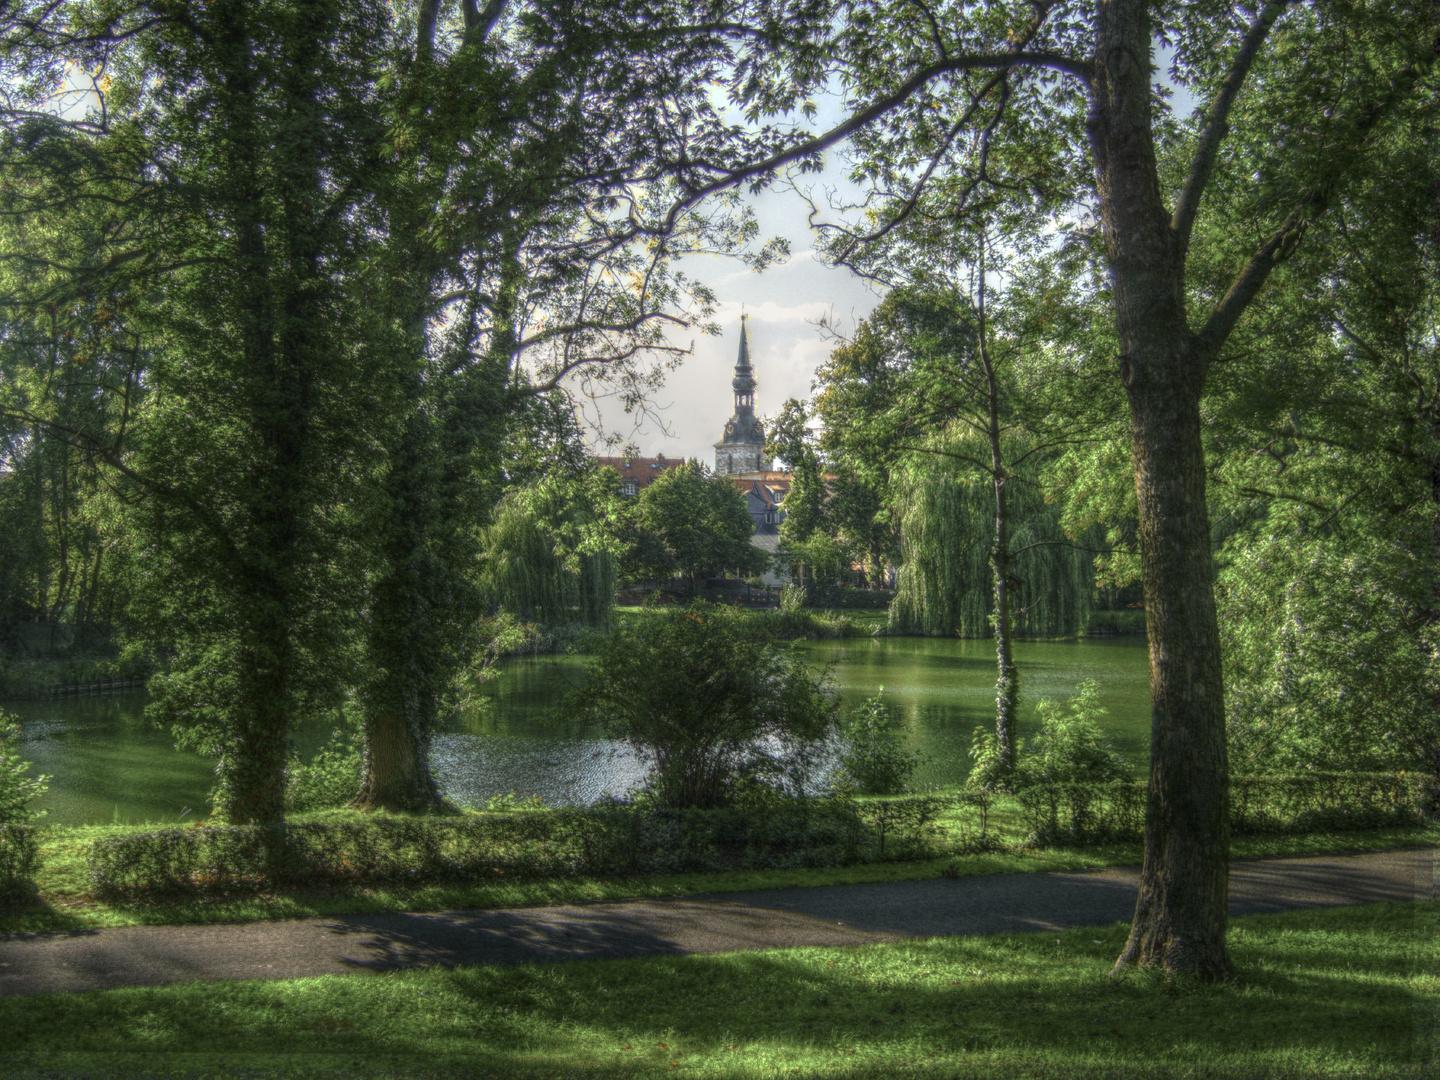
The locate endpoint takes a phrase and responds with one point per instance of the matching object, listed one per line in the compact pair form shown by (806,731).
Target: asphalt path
(730,922)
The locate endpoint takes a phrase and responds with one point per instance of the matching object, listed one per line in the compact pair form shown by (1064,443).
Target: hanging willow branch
(946,511)
(542,561)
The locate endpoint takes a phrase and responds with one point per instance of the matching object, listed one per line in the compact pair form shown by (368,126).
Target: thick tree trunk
(404,643)
(397,767)
(1180,914)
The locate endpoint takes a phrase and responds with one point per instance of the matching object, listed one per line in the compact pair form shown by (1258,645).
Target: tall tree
(532,240)
(201,196)
(1002,110)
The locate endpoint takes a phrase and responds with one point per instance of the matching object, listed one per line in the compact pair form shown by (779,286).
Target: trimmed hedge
(19,856)
(1327,801)
(606,840)
(1299,803)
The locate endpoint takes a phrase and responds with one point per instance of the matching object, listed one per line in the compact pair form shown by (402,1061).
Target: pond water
(108,763)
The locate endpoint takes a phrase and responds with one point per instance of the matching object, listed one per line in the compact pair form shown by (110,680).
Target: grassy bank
(1340,992)
(66,899)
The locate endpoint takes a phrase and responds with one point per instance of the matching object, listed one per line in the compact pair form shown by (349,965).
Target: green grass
(65,901)
(1340,992)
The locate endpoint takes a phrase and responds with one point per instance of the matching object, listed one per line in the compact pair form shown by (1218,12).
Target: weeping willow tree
(546,557)
(946,513)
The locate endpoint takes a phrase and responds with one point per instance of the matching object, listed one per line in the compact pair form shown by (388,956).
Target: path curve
(774,919)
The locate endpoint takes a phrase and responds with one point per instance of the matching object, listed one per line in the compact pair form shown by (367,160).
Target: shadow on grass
(1319,994)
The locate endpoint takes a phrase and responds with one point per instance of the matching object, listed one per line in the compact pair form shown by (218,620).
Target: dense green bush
(1070,747)
(708,699)
(16,788)
(1307,802)
(1331,662)
(874,759)
(329,779)
(19,856)
(1082,813)
(600,840)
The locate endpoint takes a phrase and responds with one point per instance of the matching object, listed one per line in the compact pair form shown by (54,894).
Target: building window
(629,487)
(770,517)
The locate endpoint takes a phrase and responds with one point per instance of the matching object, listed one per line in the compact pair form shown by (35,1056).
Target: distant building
(764,498)
(639,472)
(739,456)
(742,448)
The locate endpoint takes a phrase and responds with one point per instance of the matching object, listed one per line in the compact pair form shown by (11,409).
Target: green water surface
(108,763)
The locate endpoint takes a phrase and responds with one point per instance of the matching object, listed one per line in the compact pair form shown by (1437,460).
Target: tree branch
(1217,123)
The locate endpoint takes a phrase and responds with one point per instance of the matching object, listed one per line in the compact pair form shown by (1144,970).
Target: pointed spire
(744,381)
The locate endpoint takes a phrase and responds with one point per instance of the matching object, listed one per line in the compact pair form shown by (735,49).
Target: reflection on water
(108,763)
(563,772)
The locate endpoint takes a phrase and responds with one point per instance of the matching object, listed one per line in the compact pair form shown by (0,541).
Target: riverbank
(1319,993)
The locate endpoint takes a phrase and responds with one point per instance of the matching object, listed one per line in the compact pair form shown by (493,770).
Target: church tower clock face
(741,448)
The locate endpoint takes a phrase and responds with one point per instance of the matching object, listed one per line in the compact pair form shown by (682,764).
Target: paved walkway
(780,918)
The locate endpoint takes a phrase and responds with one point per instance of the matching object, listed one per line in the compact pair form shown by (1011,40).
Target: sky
(783,304)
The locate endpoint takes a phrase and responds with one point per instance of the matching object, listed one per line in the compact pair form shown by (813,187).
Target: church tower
(742,449)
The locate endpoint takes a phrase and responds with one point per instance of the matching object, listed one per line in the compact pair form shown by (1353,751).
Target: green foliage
(17,788)
(1331,663)
(19,859)
(549,555)
(1083,813)
(331,778)
(875,759)
(946,514)
(691,523)
(601,840)
(987,766)
(793,598)
(1070,747)
(1072,786)
(1091,812)
(708,699)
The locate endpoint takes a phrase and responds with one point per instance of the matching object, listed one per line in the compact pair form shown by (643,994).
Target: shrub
(19,856)
(875,759)
(16,788)
(1070,748)
(1083,813)
(707,699)
(329,779)
(1307,802)
(600,840)
(907,824)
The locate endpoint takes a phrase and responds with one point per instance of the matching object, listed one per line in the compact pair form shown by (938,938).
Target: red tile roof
(642,470)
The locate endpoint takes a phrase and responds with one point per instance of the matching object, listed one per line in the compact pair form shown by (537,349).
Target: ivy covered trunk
(402,645)
(1007,681)
(1434,614)
(279,307)
(1180,914)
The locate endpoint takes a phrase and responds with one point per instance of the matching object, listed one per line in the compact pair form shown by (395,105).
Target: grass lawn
(65,901)
(1336,992)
